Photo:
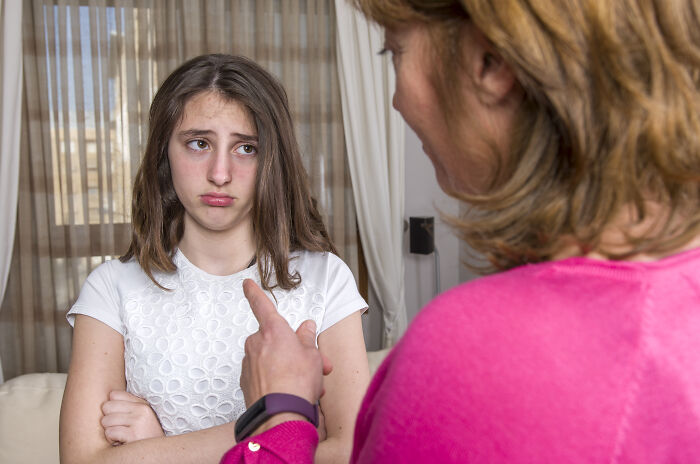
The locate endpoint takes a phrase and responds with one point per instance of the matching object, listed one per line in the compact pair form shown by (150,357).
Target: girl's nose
(220,168)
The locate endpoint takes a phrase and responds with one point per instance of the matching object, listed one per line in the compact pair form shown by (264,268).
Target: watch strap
(268,406)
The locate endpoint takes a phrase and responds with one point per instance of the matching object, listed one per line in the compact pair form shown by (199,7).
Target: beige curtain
(91,69)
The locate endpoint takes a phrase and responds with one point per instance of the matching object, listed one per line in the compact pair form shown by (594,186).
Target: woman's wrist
(271,405)
(278,419)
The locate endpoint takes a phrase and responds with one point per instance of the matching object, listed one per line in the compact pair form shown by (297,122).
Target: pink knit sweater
(573,361)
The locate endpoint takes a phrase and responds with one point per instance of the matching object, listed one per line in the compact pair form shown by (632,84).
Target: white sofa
(29,410)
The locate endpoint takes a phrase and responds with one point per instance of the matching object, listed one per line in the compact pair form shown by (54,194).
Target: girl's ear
(492,77)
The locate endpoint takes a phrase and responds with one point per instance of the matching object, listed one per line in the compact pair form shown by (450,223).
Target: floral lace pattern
(183,348)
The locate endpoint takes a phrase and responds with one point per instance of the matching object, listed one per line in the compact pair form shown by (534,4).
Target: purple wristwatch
(269,405)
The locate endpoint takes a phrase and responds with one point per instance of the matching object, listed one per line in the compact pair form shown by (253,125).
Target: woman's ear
(493,78)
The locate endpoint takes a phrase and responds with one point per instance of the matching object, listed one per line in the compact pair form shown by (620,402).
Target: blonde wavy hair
(610,119)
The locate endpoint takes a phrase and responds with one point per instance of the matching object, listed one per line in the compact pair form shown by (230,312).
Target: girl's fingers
(116,419)
(121,395)
(117,434)
(127,421)
(112,407)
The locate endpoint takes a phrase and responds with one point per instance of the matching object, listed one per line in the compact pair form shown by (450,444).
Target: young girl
(221,196)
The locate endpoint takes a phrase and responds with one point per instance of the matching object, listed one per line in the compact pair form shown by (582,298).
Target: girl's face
(213,161)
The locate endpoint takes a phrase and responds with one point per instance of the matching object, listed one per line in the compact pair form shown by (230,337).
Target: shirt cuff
(288,442)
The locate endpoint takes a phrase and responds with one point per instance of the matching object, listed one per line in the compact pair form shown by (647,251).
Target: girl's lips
(212,199)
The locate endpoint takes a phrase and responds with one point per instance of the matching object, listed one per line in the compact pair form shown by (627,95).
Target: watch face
(250,419)
(257,407)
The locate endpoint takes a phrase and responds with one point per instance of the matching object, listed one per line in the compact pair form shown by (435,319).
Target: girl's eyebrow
(203,132)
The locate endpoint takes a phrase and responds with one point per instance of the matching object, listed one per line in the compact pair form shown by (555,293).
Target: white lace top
(183,348)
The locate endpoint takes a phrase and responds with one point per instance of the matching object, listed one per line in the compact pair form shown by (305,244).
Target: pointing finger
(263,309)
(307,333)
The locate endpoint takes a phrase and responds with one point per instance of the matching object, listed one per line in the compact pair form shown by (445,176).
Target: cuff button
(253,446)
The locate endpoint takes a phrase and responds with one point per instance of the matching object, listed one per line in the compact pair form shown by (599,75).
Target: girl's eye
(198,145)
(246,149)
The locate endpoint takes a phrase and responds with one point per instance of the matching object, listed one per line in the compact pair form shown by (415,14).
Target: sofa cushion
(29,408)
(375,359)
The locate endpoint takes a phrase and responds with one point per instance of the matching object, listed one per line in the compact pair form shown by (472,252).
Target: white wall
(423,198)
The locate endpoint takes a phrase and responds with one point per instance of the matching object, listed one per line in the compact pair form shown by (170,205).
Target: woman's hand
(129,418)
(277,360)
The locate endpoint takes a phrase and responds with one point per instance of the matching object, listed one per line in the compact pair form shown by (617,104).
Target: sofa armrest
(29,409)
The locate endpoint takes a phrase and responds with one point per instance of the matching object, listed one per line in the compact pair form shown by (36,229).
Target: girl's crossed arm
(96,369)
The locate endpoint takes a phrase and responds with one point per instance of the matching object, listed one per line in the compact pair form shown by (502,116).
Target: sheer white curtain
(10,118)
(374,138)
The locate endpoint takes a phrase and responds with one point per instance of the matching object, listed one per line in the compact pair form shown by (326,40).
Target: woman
(571,131)
(221,196)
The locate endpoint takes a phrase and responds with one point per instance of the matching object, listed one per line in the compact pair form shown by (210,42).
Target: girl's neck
(218,253)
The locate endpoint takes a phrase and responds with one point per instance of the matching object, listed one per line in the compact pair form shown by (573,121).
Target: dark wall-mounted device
(422,234)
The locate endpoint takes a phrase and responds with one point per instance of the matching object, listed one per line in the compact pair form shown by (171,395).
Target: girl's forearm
(333,450)
(203,446)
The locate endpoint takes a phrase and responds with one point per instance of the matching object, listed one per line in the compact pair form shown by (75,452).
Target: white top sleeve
(99,299)
(342,296)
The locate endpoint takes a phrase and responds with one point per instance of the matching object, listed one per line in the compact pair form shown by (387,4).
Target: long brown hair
(285,215)
(610,118)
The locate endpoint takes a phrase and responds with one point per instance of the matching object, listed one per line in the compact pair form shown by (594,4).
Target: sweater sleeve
(288,442)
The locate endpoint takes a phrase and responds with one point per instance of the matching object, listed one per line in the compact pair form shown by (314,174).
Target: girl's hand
(129,418)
